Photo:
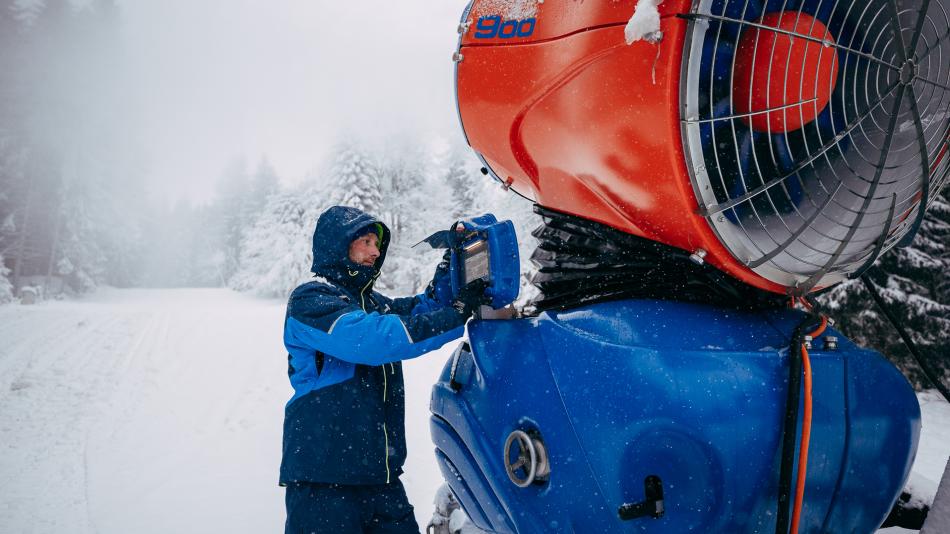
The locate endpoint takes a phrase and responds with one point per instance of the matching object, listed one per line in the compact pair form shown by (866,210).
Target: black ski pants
(342,509)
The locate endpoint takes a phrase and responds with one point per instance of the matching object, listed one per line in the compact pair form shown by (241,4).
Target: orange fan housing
(576,119)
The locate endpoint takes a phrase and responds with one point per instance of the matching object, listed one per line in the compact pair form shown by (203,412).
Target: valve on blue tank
(526,458)
(482,248)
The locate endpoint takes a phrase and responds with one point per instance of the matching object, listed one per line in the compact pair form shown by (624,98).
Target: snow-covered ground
(141,411)
(932,453)
(158,411)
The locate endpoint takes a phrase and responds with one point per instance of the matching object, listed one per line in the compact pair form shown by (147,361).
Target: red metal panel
(589,125)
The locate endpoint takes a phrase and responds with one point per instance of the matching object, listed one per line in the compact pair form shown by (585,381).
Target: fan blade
(783,156)
(750,10)
(821,10)
(720,57)
(740,180)
(829,122)
(781,5)
(722,108)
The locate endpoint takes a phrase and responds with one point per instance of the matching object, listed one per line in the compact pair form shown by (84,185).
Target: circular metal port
(526,459)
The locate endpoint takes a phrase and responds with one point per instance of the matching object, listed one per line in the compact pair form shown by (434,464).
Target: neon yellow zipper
(385,433)
(385,384)
(362,301)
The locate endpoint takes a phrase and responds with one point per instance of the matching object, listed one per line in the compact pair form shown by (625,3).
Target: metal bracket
(454,384)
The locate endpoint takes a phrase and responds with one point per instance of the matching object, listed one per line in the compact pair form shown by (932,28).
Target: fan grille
(815,199)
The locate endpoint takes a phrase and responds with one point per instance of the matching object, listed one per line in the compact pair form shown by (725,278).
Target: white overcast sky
(217,79)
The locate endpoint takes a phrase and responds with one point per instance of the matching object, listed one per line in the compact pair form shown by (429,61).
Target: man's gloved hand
(471,297)
(440,288)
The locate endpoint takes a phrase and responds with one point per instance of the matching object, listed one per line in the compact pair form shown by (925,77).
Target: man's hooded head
(336,229)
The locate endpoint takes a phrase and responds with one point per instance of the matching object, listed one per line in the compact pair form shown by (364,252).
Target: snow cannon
(789,143)
(697,165)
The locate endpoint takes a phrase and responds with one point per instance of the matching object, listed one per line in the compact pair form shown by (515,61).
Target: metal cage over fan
(815,131)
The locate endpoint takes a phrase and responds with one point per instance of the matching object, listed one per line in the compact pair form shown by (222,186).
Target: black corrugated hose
(582,262)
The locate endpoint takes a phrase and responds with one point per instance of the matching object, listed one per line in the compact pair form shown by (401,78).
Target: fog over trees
(71,192)
(76,211)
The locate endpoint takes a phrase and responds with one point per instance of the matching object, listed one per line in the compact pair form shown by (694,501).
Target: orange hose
(803,448)
(806,432)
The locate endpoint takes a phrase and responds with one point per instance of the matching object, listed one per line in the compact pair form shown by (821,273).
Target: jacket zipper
(385,433)
(362,300)
(385,385)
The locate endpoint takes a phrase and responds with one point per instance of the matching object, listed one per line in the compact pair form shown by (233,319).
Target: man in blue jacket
(344,431)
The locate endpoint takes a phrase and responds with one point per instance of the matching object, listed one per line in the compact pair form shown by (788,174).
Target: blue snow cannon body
(615,393)
(647,415)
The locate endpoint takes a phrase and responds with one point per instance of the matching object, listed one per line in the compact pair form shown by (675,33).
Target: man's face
(364,250)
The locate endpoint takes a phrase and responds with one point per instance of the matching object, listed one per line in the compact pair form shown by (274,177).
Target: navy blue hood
(337,227)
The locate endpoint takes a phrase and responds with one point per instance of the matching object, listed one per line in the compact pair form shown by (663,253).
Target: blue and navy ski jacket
(345,421)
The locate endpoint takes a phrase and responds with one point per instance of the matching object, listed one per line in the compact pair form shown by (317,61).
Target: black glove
(471,297)
(440,288)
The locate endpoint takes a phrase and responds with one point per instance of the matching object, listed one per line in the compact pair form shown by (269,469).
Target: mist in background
(215,79)
(194,143)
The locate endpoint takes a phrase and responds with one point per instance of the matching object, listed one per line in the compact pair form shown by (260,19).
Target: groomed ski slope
(158,411)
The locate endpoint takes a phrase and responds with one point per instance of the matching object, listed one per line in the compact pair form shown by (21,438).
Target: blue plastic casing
(504,273)
(690,393)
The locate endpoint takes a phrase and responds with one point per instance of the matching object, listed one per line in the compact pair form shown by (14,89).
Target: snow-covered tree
(913,282)
(206,259)
(354,178)
(277,248)
(231,219)
(414,207)
(415,187)
(27,11)
(463,178)
(6,288)
(13,186)
(70,192)
(78,255)
(217,254)
(263,183)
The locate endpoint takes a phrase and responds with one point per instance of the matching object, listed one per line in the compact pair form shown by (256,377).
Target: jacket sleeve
(437,295)
(330,325)
(402,305)
(414,305)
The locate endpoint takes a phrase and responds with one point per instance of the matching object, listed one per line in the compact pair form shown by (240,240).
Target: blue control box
(488,250)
